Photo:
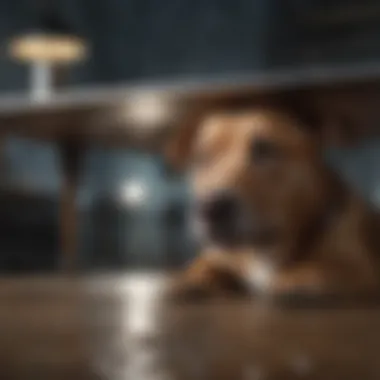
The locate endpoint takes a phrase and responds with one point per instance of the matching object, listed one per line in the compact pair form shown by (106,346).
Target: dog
(272,217)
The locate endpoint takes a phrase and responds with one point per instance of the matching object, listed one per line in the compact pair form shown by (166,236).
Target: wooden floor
(116,327)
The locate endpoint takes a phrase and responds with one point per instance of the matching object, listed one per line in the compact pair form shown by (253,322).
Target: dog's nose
(219,207)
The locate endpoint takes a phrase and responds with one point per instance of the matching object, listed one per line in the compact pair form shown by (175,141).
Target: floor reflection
(120,327)
(232,340)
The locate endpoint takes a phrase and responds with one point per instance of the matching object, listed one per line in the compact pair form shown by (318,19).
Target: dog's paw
(303,295)
(297,290)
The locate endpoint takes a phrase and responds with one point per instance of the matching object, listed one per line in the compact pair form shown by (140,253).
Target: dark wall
(134,39)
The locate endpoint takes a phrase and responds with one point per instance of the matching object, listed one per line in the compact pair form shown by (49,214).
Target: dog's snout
(219,207)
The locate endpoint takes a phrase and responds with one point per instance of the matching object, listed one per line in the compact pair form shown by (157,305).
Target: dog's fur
(325,232)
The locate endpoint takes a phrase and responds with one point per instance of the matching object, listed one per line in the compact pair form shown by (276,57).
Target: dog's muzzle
(224,220)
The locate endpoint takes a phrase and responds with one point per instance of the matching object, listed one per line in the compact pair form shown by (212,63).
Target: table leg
(71,157)
(3,158)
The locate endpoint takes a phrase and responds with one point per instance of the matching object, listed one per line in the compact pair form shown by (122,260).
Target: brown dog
(272,217)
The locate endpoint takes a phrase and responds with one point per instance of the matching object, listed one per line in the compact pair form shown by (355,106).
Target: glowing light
(147,111)
(134,193)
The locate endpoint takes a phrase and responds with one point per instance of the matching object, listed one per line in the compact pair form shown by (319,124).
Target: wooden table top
(118,327)
(101,116)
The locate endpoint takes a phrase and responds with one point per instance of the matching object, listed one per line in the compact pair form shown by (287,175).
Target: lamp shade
(50,39)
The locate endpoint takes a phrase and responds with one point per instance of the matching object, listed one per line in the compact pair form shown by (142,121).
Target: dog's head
(257,175)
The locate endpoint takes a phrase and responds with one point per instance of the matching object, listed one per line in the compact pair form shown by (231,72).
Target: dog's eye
(263,150)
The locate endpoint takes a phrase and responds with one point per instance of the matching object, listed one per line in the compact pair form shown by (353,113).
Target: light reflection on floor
(141,316)
(143,338)
(138,317)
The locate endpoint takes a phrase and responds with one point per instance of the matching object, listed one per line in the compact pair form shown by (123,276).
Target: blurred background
(132,209)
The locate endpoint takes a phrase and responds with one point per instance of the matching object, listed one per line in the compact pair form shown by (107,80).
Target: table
(119,326)
(348,97)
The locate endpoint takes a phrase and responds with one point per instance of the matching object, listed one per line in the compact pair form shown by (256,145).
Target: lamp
(52,45)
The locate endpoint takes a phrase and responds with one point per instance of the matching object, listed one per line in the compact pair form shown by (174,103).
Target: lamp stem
(42,81)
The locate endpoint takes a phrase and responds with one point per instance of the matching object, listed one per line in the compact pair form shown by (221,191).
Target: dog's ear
(177,151)
(302,109)
(179,144)
(318,116)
